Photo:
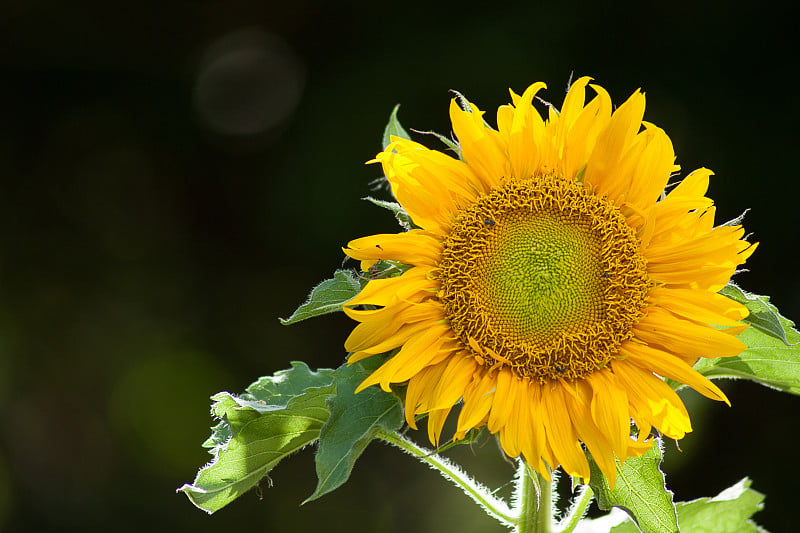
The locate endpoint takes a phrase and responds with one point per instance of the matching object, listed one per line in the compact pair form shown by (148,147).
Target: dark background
(175,176)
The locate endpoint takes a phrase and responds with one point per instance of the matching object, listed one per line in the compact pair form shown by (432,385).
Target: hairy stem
(577,510)
(495,507)
(533,501)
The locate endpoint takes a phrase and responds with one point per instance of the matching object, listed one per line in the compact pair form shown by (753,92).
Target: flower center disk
(544,277)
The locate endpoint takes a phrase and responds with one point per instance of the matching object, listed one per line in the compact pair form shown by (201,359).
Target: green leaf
(768,359)
(393,127)
(728,512)
(276,391)
(763,315)
(640,491)
(399,213)
(261,433)
(220,435)
(327,297)
(354,421)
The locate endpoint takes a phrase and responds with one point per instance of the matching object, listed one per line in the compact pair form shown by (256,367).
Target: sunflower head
(533,275)
(552,283)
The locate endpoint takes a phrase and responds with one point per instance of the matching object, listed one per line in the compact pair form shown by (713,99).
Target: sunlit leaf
(354,421)
(640,491)
(327,297)
(728,512)
(278,416)
(220,435)
(270,392)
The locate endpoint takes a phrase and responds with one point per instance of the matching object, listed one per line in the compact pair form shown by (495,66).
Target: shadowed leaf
(354,421)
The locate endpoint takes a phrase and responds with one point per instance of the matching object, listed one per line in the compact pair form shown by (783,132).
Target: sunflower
(553,282)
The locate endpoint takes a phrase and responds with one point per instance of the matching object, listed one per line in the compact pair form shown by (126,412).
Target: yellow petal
(652,360)
(561,433)
(390,342)
(578,405)
(652,400)
(477,402)
(699,305)
(481,147)
(419,352)
(510,433)
(501,407)
(436,420)
(534,445)
(581,138)
(612,145)
(420,389)
(415,247)
(459,373)
(383,292)
(428,184)
(525,134)
(664,330)
(609,409)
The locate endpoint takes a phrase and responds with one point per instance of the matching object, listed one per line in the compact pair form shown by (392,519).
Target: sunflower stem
(577,510)
(494,507)
(534,503)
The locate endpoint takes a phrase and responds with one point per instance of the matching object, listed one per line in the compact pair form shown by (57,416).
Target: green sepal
(763,315)
(454,146)
(728,512)
(772,357)
(471,437)
(399,213)
(276,417)
(355,420)
(581,173)
(327,297)
(640,491)
(393,127)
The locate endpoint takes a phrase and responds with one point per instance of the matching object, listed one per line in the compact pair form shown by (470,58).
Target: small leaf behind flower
(259,433)
(766,360)
(393,127)
(772,357)
(327,297)
(354,421)
(763,315)
(640,491)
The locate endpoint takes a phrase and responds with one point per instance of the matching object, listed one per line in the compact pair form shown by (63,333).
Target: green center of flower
(541,275)
(544,277)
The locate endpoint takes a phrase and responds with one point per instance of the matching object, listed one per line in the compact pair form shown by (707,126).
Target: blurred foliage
(173,178)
